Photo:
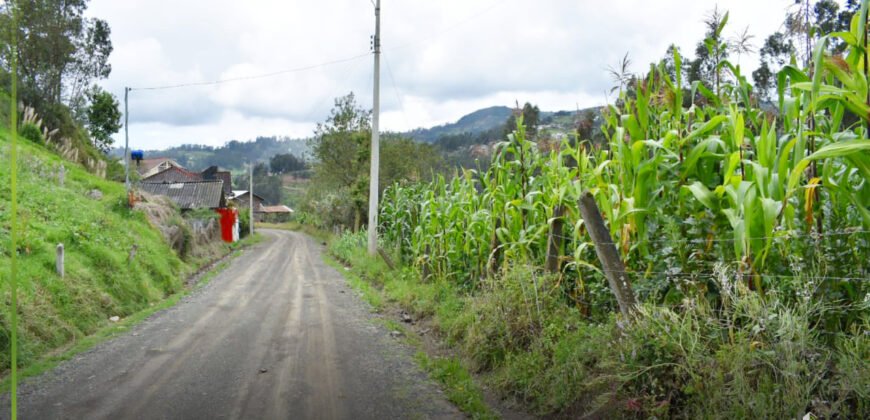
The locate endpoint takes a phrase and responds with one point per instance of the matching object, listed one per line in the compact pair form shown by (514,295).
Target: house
(278,213)
(241,199)
(190,195)
(213,173)
(148,167)
(173,174)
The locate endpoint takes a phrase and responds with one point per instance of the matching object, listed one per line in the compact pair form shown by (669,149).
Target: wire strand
(396,90)
(254,77)
(788,235)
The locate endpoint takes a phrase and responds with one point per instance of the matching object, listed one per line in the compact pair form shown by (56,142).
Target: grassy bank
(751,356)
(116,262)
(372,279)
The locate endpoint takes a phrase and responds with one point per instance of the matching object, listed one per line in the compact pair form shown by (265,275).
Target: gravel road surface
(277,334)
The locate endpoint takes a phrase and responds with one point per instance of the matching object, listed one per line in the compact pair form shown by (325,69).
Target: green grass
(748,355)
(369,293)
(458,385)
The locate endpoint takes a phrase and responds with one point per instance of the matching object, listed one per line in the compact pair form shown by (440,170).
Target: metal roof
(277,209)
(173,174)
(189,195)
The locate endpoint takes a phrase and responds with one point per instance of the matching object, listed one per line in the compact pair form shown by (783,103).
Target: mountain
(233,155)
(483,126)
(474,123)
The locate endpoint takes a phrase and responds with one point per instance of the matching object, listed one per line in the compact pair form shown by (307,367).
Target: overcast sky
(441,59)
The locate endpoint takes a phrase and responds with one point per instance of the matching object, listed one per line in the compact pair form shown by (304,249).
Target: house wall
(242,205)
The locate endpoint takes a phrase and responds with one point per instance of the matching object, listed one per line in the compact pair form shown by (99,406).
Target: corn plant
(681,186)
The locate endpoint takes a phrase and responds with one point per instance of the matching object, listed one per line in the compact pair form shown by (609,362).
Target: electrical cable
(254,77)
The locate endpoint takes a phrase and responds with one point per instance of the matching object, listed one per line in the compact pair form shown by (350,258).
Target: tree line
(61,54)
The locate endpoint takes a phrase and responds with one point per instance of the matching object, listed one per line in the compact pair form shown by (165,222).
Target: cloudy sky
(441,59)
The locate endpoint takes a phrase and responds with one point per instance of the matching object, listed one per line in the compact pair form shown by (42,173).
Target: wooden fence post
(427,269)
(494,251)
(554,241)
(58,264)
(387,259)
(607,254)
(61,174)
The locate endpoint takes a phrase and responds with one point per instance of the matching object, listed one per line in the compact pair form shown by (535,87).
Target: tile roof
(189,195)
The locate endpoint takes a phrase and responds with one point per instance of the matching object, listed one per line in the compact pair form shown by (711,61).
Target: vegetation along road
(276,335)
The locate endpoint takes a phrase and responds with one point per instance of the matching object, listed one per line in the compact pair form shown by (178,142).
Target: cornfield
(775,194)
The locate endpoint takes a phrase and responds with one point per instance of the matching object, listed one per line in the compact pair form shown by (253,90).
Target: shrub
(31,132)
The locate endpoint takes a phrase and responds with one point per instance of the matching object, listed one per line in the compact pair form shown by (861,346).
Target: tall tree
(103,118)
(286,162)
(776,52)
(266,185)
(531,119)
(340,148)
(60,52)
(804,23)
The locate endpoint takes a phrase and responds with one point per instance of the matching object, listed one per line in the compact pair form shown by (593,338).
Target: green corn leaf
(704,195)
(710,125)
(788,73)
(841,149)
(818,61)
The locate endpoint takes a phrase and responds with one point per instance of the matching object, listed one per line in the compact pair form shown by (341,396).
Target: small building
(277,214)
(148,167)
(241,199)
(190,195)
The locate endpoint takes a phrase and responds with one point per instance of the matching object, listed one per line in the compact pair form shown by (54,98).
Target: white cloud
(444,59)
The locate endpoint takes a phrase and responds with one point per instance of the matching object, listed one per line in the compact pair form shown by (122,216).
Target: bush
(244,222)
(31,132)
(750,357)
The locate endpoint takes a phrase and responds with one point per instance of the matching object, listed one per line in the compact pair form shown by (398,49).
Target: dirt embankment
(194,235)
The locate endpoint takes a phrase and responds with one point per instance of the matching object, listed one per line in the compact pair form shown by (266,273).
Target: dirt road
(278,334)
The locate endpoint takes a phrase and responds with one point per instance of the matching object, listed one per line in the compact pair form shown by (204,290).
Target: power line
(396,90)
(254,77)
(446,29)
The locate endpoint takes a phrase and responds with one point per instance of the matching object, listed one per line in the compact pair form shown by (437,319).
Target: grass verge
(377,284)
(748,356)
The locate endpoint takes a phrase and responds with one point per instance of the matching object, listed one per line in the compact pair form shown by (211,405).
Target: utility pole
(376,108)
(126,142)
(251,196)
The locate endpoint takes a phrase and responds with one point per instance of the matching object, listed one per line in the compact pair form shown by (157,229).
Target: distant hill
(473,123)
(233,155)
(483,126)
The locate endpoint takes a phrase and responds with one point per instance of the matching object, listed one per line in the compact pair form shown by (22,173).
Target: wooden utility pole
(126,142)
(617,277)
(375,161)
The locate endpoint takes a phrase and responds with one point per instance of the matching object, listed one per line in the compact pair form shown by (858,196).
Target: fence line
(789,235)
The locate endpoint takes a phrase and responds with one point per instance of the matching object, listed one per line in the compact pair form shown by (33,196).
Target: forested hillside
(473,123)
(233,155)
